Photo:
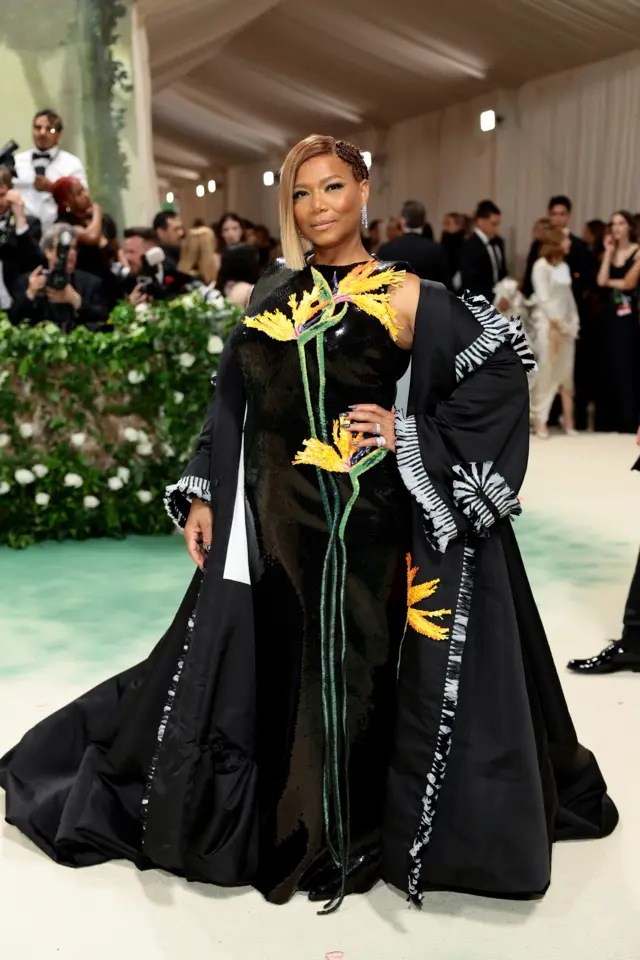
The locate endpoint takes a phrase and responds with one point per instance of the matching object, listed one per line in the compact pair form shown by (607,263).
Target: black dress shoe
(613,658)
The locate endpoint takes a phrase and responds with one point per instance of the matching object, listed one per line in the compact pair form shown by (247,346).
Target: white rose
(142,309)
(72,480)
(115,483)
(143,436)
(26,430)
(168,450)
(42,499)
(131,434)
(135,376)
(24,476)
(4,488)
(40,470)
(4,440)
(144,496)
(3,376)
(186,360)
(215,344)
(90,503)
(78,439)
(124,473)
(145,449)
(178,396)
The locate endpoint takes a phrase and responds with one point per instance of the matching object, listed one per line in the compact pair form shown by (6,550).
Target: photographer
(61,294)
(19,237)
(37,170)
(144,271)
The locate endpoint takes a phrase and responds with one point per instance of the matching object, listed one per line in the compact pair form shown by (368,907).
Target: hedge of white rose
(93,425)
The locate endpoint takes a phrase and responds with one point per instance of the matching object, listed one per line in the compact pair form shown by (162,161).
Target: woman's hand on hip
(370,418)
(198,531)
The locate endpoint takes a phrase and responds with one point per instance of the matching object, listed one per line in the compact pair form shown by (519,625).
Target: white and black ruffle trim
(178,497)
(435,777)
(484,496)
(439,525)
(497,330)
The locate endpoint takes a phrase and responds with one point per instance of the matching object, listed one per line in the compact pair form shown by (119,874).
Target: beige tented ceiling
(237,80)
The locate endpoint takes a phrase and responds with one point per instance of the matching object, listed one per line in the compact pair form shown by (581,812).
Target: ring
(377,429)
(381,442)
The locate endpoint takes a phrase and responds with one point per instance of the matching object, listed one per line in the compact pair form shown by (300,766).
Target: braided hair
(307,149)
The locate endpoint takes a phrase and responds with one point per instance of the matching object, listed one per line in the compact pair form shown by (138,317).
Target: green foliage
(121,406)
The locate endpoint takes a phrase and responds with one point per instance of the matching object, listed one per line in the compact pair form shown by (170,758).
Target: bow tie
(40,156)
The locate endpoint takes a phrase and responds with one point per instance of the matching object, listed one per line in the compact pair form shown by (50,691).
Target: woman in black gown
(361,623)
(618,395)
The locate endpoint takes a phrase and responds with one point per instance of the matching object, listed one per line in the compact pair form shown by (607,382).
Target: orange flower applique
(420,620)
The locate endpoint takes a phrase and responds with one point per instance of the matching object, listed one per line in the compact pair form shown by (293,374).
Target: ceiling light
(366,156)
(170,197)
(487,120)
(268,178)
(200,190)
(212,186)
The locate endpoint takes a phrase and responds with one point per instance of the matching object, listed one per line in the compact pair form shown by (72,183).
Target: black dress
(316,718)
(618,396)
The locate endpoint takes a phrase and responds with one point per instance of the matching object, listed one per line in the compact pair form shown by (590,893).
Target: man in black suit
(19,238)
(483,261)
(170,233)
(584,269)
(81,302)
(426,258)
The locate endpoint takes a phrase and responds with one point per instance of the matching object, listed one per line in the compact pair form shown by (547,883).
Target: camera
(7,158)
(147,277)
(59,276)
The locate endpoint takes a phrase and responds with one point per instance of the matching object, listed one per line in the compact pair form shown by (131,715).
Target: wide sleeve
(462,454)
(196,479)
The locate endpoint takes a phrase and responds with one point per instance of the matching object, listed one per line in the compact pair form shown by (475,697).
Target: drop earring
(365,218)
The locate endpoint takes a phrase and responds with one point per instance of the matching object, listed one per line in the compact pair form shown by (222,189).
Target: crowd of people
(61,260)
(578,297)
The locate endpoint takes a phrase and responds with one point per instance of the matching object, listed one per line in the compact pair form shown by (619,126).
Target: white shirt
(494,254)
(41,204)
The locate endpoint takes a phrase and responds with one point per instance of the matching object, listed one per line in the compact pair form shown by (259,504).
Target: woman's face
(619,228)
(80,199)
(566,245)
(328,201)
(231,231)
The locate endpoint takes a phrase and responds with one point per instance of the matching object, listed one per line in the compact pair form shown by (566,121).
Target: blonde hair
(198,256)
(552,245)
(313,146)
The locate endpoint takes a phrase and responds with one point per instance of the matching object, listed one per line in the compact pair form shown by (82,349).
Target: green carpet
(98,606)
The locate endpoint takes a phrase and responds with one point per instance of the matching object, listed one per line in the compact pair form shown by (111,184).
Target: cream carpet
(70,614)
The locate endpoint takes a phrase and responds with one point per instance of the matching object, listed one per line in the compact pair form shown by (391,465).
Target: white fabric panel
(236,566)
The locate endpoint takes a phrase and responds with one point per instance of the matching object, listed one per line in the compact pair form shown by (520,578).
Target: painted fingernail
(353,406)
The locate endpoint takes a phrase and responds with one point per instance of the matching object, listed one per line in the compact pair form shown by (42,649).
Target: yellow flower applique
(359,288)
(343,457)
(420,620)
(303,312)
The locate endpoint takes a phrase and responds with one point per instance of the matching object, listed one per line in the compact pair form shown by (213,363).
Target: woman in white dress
(556,324)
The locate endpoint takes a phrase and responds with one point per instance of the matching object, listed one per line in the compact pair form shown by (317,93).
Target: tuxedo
(426,258)
(93,312)
(56,163)
(482,264)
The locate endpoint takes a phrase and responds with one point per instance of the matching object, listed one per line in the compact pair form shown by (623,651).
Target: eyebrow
(333,176)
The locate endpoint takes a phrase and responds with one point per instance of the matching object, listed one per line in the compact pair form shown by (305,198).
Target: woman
(229,231)
(95,252)
(199,258)
(283,732)
(593,235)
(618,394)
(239,272)
(556,325)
